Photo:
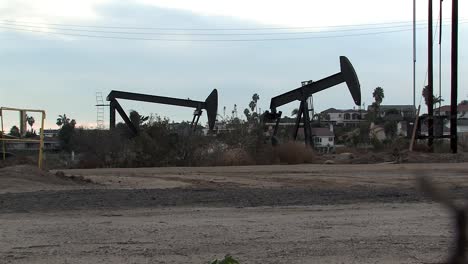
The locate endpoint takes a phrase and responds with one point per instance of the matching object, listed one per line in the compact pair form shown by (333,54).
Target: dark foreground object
(227,197)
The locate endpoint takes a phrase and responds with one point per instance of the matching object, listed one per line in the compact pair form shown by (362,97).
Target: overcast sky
(45,67)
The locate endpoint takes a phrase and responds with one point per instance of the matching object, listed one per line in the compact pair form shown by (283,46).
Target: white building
(323,138)
(344,117)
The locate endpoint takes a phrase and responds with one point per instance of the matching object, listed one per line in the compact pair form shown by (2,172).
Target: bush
(160,143)
(376,143)
(294,153)
(236,157)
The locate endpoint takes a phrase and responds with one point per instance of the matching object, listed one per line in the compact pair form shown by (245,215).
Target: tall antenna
(100,111)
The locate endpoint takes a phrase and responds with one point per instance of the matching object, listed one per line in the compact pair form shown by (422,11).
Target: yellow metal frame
(41,136)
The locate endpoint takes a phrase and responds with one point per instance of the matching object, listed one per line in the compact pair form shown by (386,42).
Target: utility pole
(440,56)
(414,54)
(454,82)
(430,85)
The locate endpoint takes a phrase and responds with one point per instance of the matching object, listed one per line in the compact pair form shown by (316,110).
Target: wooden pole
(415,126)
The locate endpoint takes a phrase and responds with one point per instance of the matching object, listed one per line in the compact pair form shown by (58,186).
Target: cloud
(46,10)
(62,76)
(297,13)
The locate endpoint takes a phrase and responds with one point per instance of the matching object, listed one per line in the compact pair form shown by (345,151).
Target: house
(51,132)
(404,128)
(462,126)
(348,117)
(462,111)
(52,144)
(323,139)
(392,111)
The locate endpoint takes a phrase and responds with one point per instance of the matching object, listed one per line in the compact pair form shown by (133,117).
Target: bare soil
(274,214)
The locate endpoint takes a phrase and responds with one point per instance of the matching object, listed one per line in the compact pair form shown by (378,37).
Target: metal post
(298,120)
(23,126)
(430,86)
(307,130)
(112,114)
(194,124)
(278,120)
(41,142)
(454,84)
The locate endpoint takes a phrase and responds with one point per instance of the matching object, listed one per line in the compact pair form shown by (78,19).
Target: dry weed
(294,153)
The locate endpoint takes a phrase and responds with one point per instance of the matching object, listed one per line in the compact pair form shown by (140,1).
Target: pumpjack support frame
(210,105)
(346,75)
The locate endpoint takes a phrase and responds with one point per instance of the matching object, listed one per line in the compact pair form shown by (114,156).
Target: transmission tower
(100,111)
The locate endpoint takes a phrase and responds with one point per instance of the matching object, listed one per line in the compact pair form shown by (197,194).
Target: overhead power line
(203,40)
(26,26)
(219,39)
(209,29)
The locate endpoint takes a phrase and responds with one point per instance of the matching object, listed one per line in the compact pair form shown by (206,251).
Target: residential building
(462,126)
(323,139)
(462,111)
(348,117)
(52,144)
(391,111)
(51,132)
(377,132)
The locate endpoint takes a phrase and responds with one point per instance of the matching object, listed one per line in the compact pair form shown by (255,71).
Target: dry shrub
(294,153)
(18,160)
(265,155)
(236,157)
(90,161)
(420,147)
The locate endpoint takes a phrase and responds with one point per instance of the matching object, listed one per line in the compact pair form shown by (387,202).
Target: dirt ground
(274,214)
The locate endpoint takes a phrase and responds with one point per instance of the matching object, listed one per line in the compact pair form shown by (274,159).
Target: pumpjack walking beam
(210,105)
(347,75)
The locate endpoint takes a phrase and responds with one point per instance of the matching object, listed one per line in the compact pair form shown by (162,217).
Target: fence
(11,138)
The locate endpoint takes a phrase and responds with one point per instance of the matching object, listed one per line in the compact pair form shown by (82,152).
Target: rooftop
(322,132)
(334,110)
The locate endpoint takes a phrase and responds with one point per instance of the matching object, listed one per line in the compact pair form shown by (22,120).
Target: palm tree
(252,105)
(255,98)
(435,99)
(137,119)
(62,120)
(14,131)
(31,121)
(438,99)
(378,95)
(247,114)
(294,112)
